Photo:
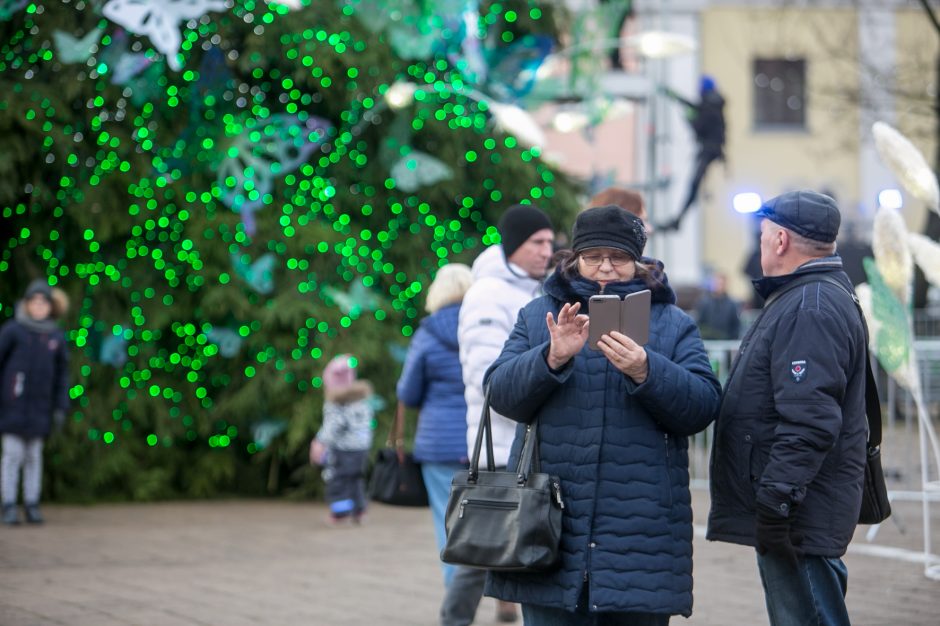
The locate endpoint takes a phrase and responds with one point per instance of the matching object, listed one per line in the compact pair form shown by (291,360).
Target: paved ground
(277,563)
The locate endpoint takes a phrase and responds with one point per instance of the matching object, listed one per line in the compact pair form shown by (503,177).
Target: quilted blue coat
(620,449)
(432,380)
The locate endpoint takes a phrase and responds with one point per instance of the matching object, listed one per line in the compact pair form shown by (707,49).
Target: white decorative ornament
(400,94)
(518,123)
(419,169)
(661,44)
(290,4)
(159,20)
(907,163)
(926,253)
(889,244)
(70,49)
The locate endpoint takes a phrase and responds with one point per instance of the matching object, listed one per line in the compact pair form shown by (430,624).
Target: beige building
(803,81)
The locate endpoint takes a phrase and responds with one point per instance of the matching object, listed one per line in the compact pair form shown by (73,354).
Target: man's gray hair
(811,247)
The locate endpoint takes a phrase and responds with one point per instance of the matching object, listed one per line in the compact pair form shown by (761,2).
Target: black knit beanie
(39,286)
(518,223)
(609,227)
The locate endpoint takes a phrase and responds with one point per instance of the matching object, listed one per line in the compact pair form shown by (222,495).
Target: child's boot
(11,515)
(33,516)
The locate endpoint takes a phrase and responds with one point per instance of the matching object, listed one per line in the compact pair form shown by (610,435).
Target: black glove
(774,534)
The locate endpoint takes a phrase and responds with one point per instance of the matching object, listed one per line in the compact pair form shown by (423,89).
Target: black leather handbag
(505,521)
(396,476)
(876,507)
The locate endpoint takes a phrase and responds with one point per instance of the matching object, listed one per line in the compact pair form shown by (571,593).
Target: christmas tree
(233,192)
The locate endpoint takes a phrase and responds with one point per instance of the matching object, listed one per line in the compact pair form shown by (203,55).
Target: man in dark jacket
(789,448)
(707,119)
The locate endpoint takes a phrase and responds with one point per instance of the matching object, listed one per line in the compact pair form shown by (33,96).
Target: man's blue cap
(706,84)
(807,213)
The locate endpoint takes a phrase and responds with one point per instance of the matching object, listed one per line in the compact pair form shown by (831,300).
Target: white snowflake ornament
(159,20)
(926,253)
(907,163)
(889,243)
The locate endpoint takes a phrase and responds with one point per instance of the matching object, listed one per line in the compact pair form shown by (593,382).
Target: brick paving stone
(235,563)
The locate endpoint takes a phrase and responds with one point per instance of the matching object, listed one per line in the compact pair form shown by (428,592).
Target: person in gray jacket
(789,449)
(505,278)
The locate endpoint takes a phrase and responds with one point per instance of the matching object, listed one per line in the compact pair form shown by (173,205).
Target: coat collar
(769,284)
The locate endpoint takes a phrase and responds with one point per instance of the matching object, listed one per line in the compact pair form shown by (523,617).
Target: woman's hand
(568,334)
(626,355)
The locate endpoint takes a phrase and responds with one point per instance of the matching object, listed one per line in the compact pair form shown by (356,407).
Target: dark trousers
(345,482)
(462,596)
(703,159)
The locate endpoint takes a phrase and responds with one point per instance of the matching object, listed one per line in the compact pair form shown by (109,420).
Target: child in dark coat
(343,442)
(34,374)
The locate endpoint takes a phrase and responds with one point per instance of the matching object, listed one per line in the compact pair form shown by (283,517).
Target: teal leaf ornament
(264,432)
(159,20)
(265,149)
(377,402)
(114,350)
(228,341)
(398,352)
(259,275)
(358,299)
(69,49)
(419,169)
(9,7)
(894,341)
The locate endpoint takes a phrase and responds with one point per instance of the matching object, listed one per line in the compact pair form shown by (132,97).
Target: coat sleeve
(681,393)
(520,379)
(6,342)
(808,406)
(483,329)
(412,383)
(62,377)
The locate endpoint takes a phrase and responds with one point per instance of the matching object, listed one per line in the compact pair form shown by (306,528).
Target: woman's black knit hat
(609,227)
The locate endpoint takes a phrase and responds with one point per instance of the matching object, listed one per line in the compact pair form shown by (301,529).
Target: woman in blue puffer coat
(432,381)
(613,425)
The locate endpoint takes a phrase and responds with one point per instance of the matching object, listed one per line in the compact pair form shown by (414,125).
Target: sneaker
(11,515)
(338,521)
(33,516)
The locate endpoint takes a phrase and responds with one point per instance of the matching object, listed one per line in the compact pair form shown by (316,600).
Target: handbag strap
(483,432)
(529,459)
(872,402)
(396,434)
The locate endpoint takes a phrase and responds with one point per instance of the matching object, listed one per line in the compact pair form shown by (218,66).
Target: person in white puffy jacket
(506,277)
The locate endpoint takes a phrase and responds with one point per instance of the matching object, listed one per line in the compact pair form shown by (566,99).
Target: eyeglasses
(617,260)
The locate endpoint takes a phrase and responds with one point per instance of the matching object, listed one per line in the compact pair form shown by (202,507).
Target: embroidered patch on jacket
(798,370)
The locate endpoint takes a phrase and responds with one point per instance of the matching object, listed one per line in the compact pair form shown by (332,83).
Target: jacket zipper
(486,504)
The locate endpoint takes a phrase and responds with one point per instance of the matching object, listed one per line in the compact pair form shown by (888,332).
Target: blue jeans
(812,593)
(437,479)
(536,615)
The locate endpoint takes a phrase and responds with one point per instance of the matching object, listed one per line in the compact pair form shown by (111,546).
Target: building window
(779,94)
